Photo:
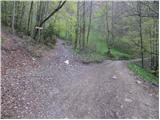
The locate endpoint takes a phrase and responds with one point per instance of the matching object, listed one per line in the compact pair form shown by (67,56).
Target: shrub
(144,74)
(50,35)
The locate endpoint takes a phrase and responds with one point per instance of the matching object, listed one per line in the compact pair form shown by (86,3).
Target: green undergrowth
(98,42)
(2,40)
(119,55)
(96,50)
(144,74)
(89,57)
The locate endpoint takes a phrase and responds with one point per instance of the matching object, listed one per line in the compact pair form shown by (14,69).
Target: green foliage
(49,31)
(98,43)
(49,35)
(62,35)
(122,45)
(119,55)
(90,57)
(144,74)
(96,50)
(66,21)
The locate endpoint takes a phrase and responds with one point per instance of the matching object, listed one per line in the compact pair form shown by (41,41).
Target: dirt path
(57,90)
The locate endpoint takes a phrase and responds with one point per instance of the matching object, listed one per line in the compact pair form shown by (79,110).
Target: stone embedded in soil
(114,77)
(138,82)
(127,100)
(66,62)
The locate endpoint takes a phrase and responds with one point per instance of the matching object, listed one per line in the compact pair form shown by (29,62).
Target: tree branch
(60,5)
(145,4)
(58,8)
(145,50)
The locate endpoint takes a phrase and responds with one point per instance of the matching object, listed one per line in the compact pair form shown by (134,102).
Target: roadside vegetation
(143,74)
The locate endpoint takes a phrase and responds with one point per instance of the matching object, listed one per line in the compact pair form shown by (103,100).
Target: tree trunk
(80,26)
(29,18)
(156,47)
(77,27)
(112,22)
(22,14)
(5,13)
(83,37)
(89,26)
(139,7)
(13,18)
(150,35)
(107,28)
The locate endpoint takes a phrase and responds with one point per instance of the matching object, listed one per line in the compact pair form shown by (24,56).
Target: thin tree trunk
(140,33)
(29,18)
(13,18)
(83,37)
(16,14)
(89,26)
(153,46)
(80,27)
(156,37)
(5,15)
(46,8)
(112,22)
(77,27)
(150,35)
(22,14)
(107,28)
(76,38)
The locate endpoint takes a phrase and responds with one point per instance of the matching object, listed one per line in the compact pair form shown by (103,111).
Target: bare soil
(47,87)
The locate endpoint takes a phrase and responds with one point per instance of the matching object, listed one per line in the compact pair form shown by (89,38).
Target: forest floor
(47,87)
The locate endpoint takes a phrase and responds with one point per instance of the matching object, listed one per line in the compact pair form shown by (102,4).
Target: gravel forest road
(54,89)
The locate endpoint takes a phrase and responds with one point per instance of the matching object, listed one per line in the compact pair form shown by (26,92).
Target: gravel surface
(54,89)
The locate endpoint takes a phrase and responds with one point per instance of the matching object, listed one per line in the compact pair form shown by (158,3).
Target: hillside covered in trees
(104,41)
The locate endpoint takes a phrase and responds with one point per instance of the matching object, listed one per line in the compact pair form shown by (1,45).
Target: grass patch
(62,35)
(87,57)
(97,41)
(97,49)
(119,55)
(144,74)
(91,58)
